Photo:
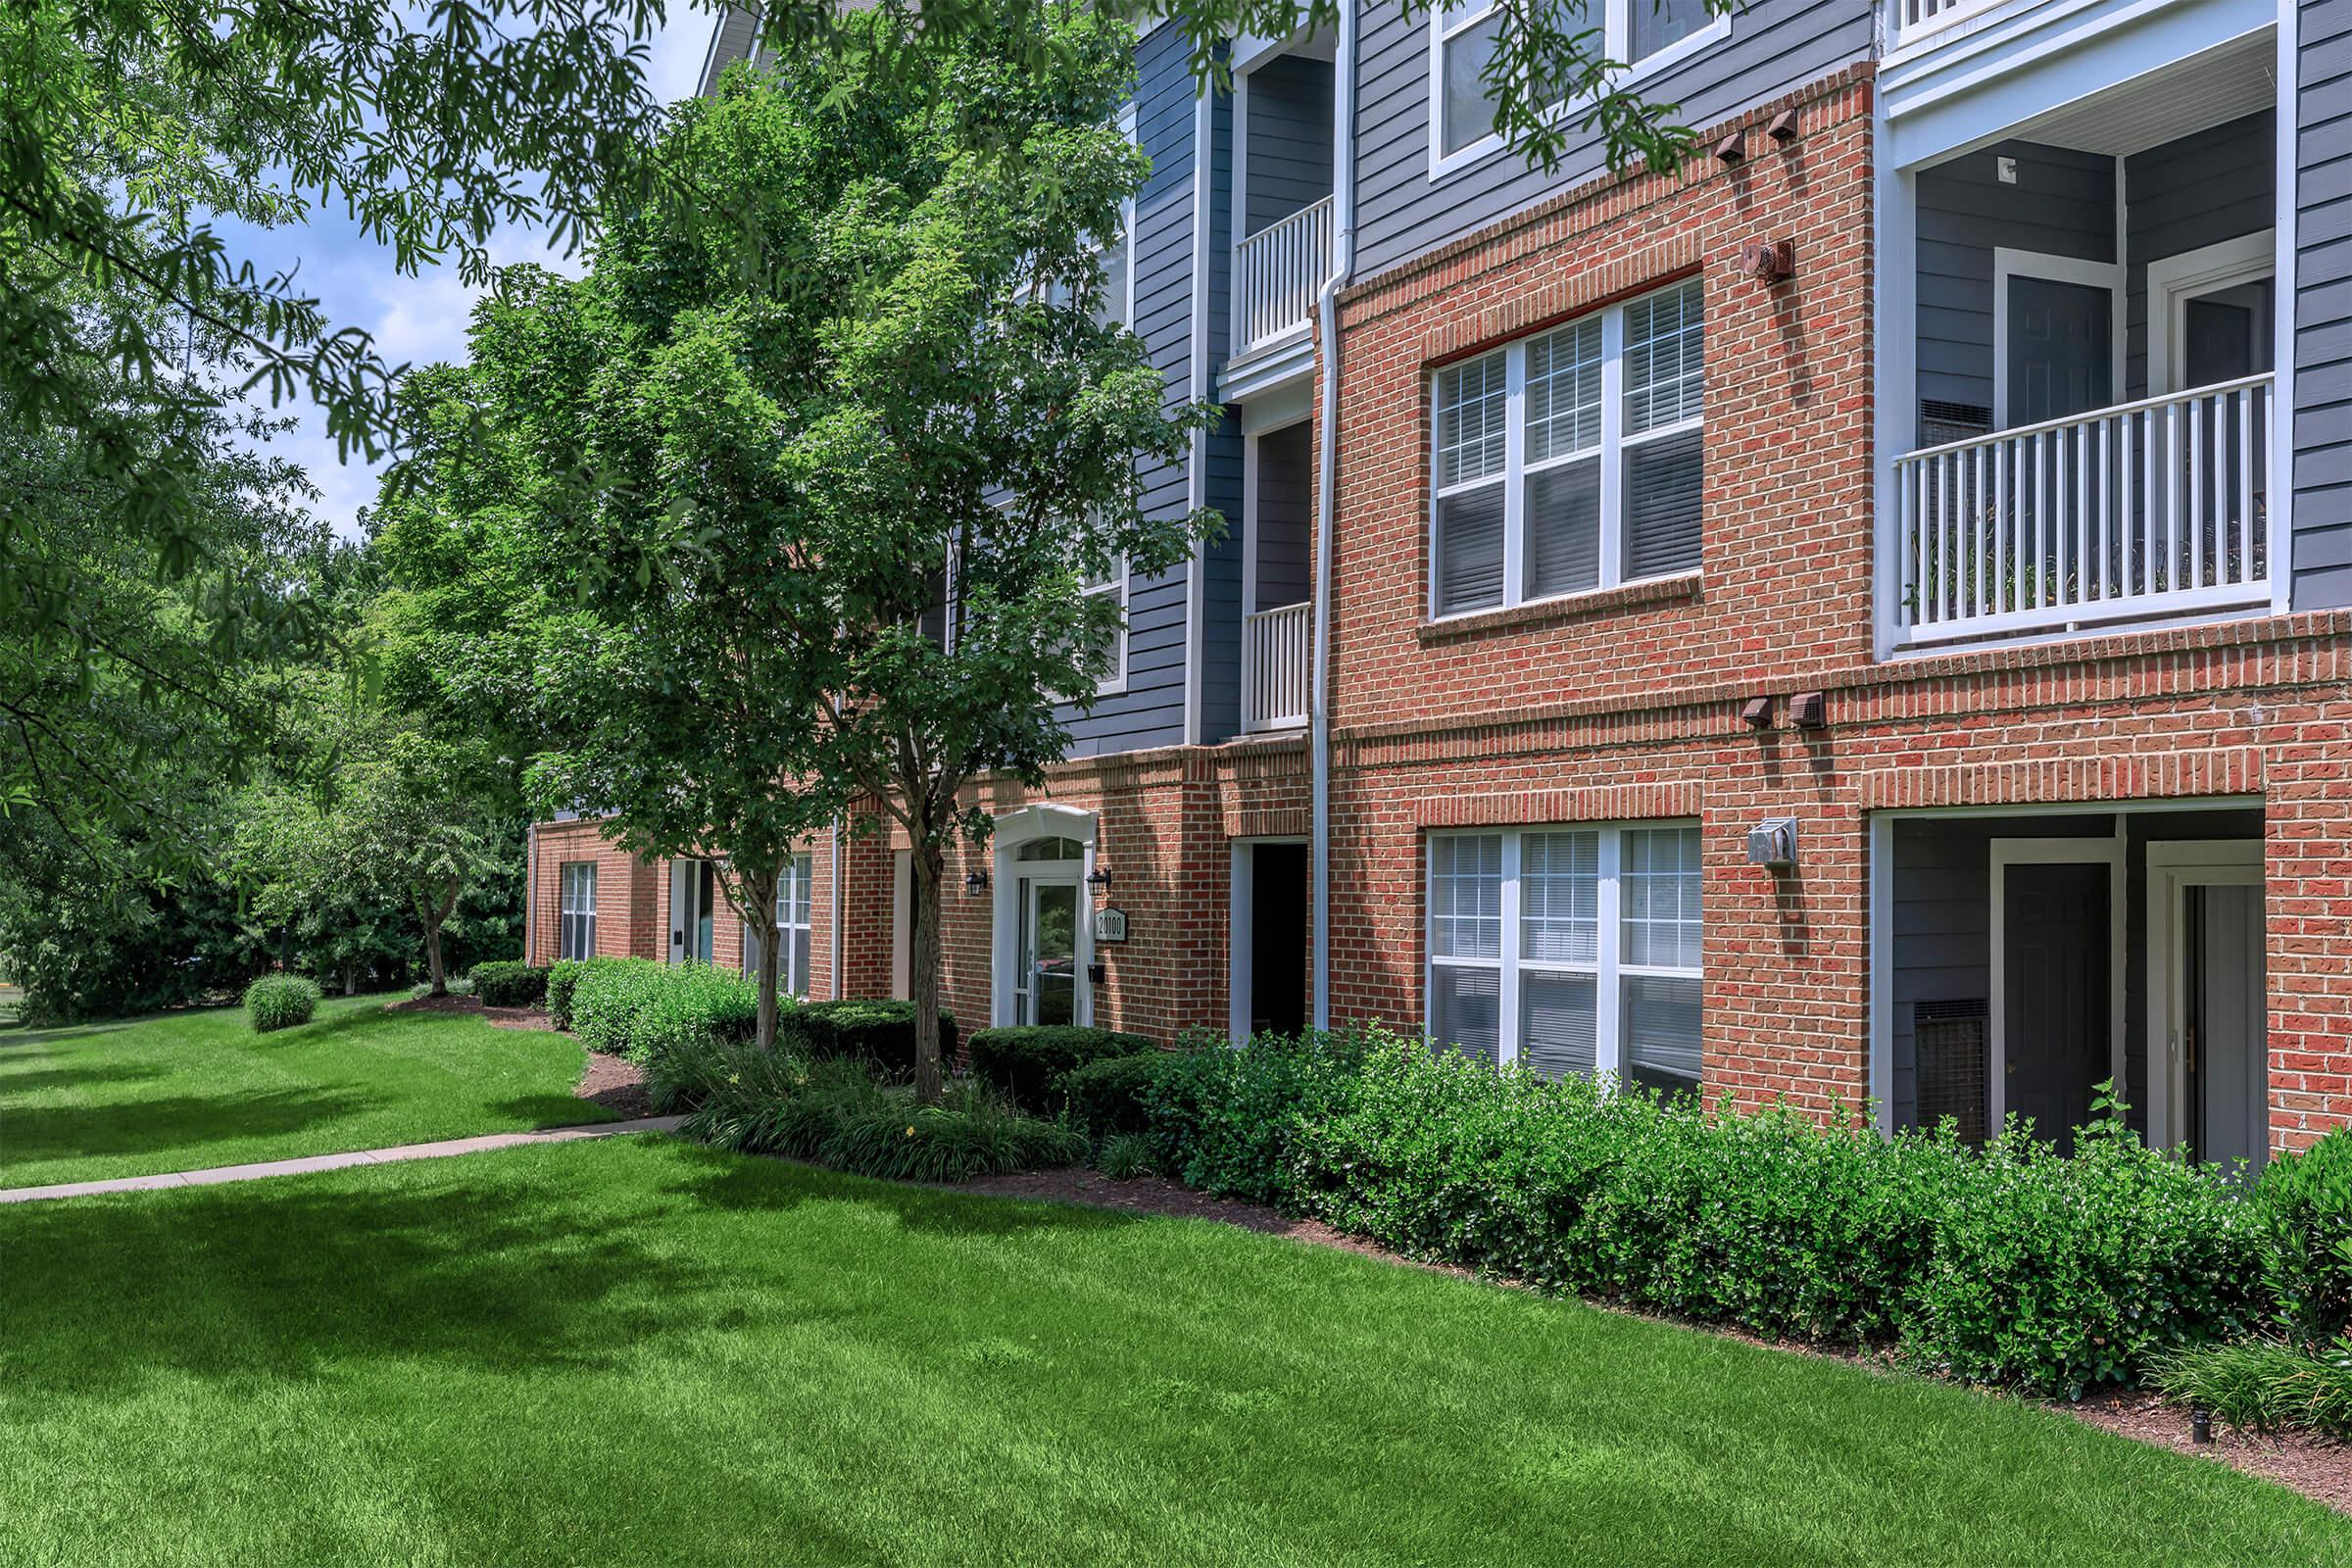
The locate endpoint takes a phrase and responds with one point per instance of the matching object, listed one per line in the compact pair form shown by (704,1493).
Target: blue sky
(416,320)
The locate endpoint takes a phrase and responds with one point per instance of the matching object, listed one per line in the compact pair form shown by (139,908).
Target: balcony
(2139,513)
(1277,274)
(1911,22)
(1275,647)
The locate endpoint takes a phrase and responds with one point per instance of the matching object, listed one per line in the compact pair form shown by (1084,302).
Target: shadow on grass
(191,1122)
(510,1268)
(553,1110)
(25,1038)
(13,1084)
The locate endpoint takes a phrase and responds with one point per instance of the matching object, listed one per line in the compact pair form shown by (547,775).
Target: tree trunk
(435,914)
(756,903)
(923,970)
(350,979)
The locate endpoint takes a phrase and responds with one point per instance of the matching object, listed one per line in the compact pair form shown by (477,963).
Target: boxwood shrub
(280,1001)
(509,983)
(636,1008)
(1025,1064)
(562,976)
(2306,1205)
(1112,1098)
(877,1030)
(2013,1264)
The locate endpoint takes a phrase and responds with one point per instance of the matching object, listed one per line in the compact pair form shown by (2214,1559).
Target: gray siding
(1151,710)
(1289,156)
(2185,195)
(2322,305)
(1286,481)
(1775,47)
(1221,586)
(2063,204)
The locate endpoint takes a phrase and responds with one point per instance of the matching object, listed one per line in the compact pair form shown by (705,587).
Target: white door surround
(2174,280)
(2006,852)
(2175,867)
(1009,879)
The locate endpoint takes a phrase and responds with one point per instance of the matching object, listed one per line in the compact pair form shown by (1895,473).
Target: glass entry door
(1047,979)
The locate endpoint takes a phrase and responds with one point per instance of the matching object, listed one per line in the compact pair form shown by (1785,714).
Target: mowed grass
(187,1090)
(643,1352)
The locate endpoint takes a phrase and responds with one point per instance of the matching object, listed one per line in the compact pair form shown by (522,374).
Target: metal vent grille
(1941,422)
(1949,1041)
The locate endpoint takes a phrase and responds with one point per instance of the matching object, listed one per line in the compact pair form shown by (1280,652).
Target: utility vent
(1949,1041)
(1941,422)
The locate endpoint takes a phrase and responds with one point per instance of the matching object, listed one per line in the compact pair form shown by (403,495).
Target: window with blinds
(1571,461)
(1570,949)
(575,911)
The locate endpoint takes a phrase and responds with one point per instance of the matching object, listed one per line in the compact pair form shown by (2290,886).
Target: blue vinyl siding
(2063,204)
(1222,582)
(1149,712)
(1775,46)
(1289,139)
(2322,307)
(2185,195)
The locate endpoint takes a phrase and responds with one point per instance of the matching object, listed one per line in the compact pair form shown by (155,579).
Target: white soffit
(2196,94)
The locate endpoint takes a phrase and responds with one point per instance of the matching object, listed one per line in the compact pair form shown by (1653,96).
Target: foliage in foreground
(280,1001)
(838,1114)
(2306,1201)
(2012,1264)
(2264,1384)
(1026,1063)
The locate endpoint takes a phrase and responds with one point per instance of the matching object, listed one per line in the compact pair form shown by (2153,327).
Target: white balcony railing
(2146,512)
(1276,272)
(1274,654)
(1914,20)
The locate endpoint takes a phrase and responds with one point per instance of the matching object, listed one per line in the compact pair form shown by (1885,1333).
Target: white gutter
(530,883)
(1327,305)
(840,990)
(1195,473)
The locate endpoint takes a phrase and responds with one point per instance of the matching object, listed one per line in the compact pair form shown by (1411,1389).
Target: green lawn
(644,1351)
(187,1090)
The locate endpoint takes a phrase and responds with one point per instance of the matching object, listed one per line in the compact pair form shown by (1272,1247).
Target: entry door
(692,894)
(2061,348)
(1278,938)
(2225,334)
(2056,1003)
(1047,981)
(2225,1048)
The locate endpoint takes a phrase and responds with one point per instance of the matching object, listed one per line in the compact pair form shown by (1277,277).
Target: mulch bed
(616,1084)
(2311,1465)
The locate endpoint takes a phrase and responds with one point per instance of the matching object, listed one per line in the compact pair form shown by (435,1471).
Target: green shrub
(836,1113)
(636,1008)
(280,1001)
(2264,1384)
(1025,1064)
(1110,1097)
(877,1030)
(606,998)
(509,983)
(1126,1156)
(562,976)
(2013,1266)
(2306,1203)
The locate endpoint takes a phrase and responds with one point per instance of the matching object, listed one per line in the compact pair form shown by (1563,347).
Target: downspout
(1327,305)
(840,990)
(530,886)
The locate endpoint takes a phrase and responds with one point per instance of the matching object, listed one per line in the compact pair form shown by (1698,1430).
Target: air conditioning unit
(1950,1042)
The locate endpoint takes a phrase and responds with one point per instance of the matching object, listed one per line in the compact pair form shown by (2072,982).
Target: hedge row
(509,983)
(2011,1264)
(639,1008)
(1027,1065)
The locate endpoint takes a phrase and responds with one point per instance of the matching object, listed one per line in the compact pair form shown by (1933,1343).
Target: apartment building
(1861,619)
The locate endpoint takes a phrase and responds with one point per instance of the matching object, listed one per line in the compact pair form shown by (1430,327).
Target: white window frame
(2173,280)
(2010,264)
(1608,969)
(795,912)
(1617,29)
(575,913)
(1116,680)
(1613,446)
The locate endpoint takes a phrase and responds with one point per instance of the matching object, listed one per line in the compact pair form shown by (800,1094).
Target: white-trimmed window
(1113,586)
(1573,950)
(794,894)
(1570,461)
(575,909)
(1645,35)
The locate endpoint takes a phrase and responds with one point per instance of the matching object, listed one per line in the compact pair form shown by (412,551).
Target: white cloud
(418,321)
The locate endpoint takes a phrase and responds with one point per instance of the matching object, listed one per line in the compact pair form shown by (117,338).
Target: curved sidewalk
(360,1157)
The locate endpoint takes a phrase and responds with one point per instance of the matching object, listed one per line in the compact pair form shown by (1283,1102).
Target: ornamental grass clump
(280,1001)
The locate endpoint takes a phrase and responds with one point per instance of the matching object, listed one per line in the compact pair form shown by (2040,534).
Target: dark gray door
(2226,334)
(2061,348)
(2228,1055)
(2055,1024)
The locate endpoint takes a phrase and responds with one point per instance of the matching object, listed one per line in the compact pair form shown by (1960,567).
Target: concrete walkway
(363,1156)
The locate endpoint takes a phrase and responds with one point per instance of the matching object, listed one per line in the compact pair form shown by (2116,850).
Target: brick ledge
(1682,585)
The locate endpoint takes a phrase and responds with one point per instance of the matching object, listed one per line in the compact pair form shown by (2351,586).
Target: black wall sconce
(1099,879)
(976,883)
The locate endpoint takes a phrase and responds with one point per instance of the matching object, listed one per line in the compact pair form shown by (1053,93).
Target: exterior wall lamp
(1098,880)
(976,883)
